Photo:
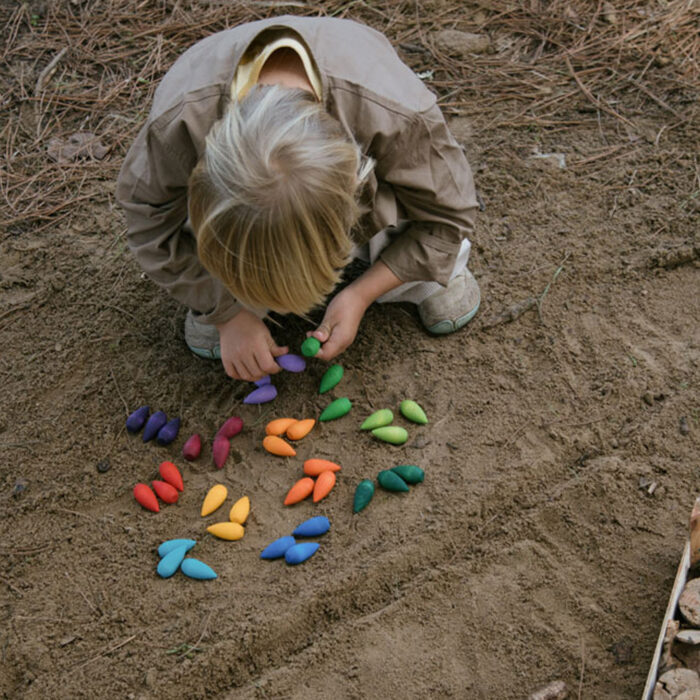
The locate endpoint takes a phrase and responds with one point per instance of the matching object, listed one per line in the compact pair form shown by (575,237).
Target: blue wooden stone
(276,549)
(313,527)
(169,545)
(197,569)
(301,552)
(170,563)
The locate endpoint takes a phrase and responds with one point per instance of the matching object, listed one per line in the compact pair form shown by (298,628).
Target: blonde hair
(273,199)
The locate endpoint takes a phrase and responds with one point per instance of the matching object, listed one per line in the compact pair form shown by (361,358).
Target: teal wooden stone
(391,433)
(332,376)
(336,409)
(378,419)
(170,563)
(310,346)
(391,481)
(411,410)
(410,473)
(363,495)
(169,545)
(197,569)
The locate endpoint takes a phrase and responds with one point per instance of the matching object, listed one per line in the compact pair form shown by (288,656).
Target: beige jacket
(421,173)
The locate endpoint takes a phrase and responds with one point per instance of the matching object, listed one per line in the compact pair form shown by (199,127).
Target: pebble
(103,466)
(19,487)
(391,433)
(363,495)
(313,527)
(391,481)
(214,498)
(683,426)
(299,553)
(378,419)
(457,43)
(170,563)
(276,549)
(336,409)
(689,602)
(689,636)
(168,546)
(197,569)
(331,378)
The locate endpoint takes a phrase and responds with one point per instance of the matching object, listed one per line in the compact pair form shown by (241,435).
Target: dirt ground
(561,456)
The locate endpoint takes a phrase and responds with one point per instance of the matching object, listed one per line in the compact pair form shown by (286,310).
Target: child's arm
(343,315)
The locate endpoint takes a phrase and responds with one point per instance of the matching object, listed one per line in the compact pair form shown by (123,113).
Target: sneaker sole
(214,354)
(447,327)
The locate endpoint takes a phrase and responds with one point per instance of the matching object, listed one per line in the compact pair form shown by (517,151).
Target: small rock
(675,682)
(103,466)
(151,678)
(556,690)
(622,651)
(462,44)
(689,636)
(648,399)
(19,487)
(683,426)
(689,602)
(82,144)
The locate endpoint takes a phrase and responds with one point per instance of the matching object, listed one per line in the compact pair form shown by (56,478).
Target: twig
(540,300)
(48,71)
(114,379)
(583,668)
(511,313)
(108,651)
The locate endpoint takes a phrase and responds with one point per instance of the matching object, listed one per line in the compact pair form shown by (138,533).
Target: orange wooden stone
(279,426)
(277,446)
(301,490)
(300,429)
(313,467)
(324,483)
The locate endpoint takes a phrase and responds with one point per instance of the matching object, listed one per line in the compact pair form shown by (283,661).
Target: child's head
(273,199)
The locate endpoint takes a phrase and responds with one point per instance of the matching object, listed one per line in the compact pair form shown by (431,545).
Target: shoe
(201,338)
(448,309)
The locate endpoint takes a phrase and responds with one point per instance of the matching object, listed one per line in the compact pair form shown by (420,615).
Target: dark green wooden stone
(363,495)
(391,481)
(410,473)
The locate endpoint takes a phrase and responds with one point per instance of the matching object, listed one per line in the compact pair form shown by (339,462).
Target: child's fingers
(276,351)
(322,333)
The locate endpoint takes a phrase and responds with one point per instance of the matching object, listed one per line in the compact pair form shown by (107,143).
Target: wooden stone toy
(378,419)
(411,410)
(336,409)
(331,378)
(302,489)
(170,563)
(230,427)
(240,510)
(276,549)
(324,484)
(220,450)
(310,346)
(393,434)
(165,491)
(170,473)
(291,363)
(154,423)
(391,481)
(192,447)
(169,545)
(227,531)
(193,568)
(300,429)
(277,446)
(313,527)
(363,495)
(410,473)
(137,419)
(146,498)
(214,498)
(313,467)
(299,553)
(263,394)
(279,426)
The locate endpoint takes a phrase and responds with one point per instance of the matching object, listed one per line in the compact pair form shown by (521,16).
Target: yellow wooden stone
(227,531)
(239,510)
(214,498)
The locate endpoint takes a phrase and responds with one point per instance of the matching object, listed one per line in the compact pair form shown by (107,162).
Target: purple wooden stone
(264,381)
(292,363)
(262,395)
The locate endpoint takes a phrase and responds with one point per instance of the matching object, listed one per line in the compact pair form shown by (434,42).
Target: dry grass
(93,66)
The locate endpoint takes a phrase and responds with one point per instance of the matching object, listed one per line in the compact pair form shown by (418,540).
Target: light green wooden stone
(411,410)
(331,377)
(336,409)
(391,481)
(410,473)
(378,419)
(391,433)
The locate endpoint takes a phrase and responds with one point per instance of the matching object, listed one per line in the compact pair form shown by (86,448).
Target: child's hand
(340,323)
(247,349)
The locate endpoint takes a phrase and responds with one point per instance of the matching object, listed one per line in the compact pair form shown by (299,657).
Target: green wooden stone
(332,376)
(412,411)
(378,419)
(391,433)
(310,346)
(363,495)
(410,473)
(336,409)
(391,481)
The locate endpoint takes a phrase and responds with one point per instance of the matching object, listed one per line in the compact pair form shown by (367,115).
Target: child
(274,153)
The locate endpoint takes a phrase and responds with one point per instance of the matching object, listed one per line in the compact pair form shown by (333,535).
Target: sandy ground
(529,554)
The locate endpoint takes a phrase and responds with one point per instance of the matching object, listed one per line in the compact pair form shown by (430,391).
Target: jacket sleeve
(152,189)
(434,186)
